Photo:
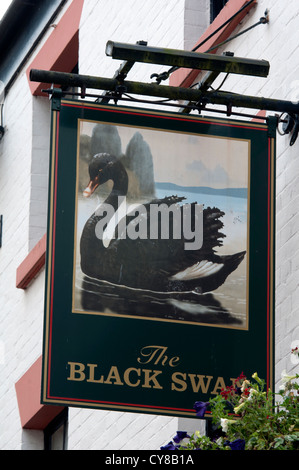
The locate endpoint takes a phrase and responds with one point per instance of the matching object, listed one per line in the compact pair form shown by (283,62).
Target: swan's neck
(114,207)
(120,185)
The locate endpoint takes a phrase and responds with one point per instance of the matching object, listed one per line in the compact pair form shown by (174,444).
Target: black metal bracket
(272,125)
(170,92)
(160,76)
(290,125)
(119,90)
(187,59)
(195,98)
(120,75)
(295,130)
(203,86)
(55,95)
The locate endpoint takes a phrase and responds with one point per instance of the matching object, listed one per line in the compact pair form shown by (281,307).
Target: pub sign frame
(108,345)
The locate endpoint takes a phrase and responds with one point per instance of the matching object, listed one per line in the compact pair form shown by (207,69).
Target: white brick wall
(20,312)
(159,23)
(163,24)
(197,19)
(109,430)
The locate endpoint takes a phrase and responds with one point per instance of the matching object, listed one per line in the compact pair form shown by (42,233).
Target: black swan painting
(145,263)
(128,270)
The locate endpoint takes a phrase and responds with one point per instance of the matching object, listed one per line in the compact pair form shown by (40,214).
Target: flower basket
(246,416)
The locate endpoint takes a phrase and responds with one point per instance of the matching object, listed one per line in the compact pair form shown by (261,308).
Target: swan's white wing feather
(198,270)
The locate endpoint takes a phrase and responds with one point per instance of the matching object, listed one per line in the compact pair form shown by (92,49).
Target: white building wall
(197,19)
(159,23)
(21,312)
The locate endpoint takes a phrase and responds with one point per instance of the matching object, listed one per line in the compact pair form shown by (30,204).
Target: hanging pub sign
(160,258)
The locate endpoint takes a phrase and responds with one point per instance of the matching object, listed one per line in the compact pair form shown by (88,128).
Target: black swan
(161,265)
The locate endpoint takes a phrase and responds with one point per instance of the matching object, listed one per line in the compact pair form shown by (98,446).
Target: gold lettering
(181,382)
(173,361)
(113,375)
(156,353)
(218,386)
(127,377)
(200,383)
(150,352)
(91,374)
(76,371)
(148,378)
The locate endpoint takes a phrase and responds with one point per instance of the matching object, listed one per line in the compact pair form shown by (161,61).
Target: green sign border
(109,347)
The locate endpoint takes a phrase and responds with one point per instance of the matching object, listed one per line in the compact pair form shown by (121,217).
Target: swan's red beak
(92,186)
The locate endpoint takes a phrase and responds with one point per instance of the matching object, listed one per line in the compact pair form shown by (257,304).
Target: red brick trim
(32,264)
(60,51)
(185,77)
(261,113)
(33,414)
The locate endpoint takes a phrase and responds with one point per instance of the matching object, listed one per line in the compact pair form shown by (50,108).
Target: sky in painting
(191,160)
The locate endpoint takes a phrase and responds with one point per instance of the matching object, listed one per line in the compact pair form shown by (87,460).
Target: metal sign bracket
(196,97)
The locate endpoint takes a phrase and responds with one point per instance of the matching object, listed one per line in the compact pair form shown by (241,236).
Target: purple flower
(180,435)
(200,408)
(238,444)
(169,446)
